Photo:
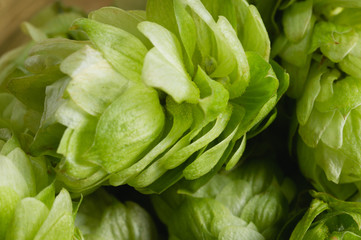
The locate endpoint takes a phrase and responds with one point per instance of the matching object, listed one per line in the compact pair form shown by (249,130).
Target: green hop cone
(320,48)
(43,217)
(329,218)
(250,202)
(103,217)
(152,96)
(28,206)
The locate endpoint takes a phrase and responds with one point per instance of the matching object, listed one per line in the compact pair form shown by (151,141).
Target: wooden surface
(14,12)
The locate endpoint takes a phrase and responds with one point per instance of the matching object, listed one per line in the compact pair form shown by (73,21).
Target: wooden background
(14,12)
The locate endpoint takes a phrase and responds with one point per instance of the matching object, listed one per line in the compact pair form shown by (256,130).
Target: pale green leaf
(133,121)
(94,84)
(158,72)
(121,49)
(126,20)
(28,218)
(296,20)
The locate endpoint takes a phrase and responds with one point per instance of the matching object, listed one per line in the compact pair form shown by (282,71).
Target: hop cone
(250,203)
(320,49)
(151,97)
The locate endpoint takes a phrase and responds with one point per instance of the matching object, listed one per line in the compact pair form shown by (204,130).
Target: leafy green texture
(124,51)
(268,11)
(16,116)
(145,98)
(29,208)
(246,203)
(317,52)
(329,218)
(101,216)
